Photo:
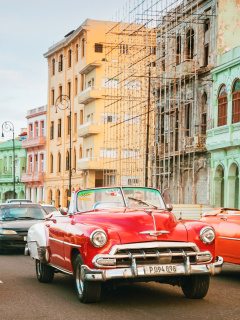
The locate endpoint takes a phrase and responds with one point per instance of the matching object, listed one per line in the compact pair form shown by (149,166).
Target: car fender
(36,240)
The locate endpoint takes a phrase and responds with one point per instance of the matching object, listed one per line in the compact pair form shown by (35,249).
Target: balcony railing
(89,163)
(90,94)
(89,128)
(32,176)
(34,142)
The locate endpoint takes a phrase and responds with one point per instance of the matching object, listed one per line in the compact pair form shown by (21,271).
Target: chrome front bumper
(140,272)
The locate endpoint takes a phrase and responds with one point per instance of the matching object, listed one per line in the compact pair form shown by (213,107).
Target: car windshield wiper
(143,202)
(29,218)
(8,218)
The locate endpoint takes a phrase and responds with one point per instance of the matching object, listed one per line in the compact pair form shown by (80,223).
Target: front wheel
(44,272)
(87,291)
(196,287)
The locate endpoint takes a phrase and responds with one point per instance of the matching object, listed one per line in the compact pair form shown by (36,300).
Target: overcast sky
(27,29)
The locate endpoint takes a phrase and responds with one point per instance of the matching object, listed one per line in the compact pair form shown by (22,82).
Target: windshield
(113,198)
(49,209)
(21,212)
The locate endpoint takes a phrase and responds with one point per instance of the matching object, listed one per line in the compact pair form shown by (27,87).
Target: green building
(6,170)
(223,141)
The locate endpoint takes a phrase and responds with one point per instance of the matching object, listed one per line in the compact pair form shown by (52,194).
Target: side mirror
(64,211)
(166,198)
(169,206)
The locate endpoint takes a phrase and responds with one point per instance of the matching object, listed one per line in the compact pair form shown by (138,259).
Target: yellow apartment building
(75,68)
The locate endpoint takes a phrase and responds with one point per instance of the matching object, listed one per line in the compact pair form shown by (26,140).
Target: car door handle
(223,218)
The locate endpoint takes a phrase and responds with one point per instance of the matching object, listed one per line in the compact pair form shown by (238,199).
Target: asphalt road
(23,297)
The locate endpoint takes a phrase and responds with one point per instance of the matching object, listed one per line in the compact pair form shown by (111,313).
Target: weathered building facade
(223,140)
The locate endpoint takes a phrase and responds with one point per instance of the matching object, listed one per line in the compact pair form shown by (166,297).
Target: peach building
(76,67)
(36,156)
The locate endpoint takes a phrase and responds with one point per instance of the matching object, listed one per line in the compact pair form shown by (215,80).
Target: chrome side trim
(153,244)
(66,243)
(61,269)
(229,238)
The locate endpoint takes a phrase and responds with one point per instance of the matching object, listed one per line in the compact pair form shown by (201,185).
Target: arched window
(67,161)
(190,44)
(53,67)
(236,102)
(83,47)
(76,53)
(222,106)
(80,152)
(60,63)
(51,163)
(179,44)
(59,162)
(204,114)
(69,58)
(30,164)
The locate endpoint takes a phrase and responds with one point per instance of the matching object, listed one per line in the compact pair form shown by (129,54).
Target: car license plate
(25,238)
(160,269)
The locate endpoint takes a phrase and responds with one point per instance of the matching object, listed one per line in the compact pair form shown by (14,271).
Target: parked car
(18,200)
(15,220)
(226,223)
(123,234)
(48,208)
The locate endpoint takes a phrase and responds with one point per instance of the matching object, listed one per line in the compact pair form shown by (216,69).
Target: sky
(27,29)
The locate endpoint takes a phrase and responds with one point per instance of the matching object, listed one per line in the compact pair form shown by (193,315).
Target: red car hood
(130,224)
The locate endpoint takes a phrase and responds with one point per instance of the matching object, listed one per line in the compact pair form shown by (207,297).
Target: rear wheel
(196,287)
(87,291)
(44,272)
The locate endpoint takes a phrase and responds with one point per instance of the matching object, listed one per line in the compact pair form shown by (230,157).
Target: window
(69,58)
(75,122)
(179,45)
(68,125)
(190,44)
(188,119)
(30,130)
(52,97)
(110,83)
(89,83)
(83,48)
(108,153)
(60,63)
(69,90)
(42,129)
(59,128)
(222,106)
(88,118)
(206,54)
(80,152)
(76,53)
(52,130)
(67,161)
(36,129)
(236,102)
(76,86)
(53,67)
(98,47)
(204,114)
(74,159)
(123,49)
(36,163)
(59,162)
(109,117)
(60,93)
(81,117)
(42,163)
(82,82)
(30,164)
(51,163)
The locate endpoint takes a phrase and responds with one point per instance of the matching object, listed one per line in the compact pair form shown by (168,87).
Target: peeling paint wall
(228,25)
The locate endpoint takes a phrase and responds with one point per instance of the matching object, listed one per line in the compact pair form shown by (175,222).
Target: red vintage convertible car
(226,222)
(120,234)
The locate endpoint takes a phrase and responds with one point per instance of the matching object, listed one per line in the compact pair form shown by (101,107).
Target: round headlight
(207,235)
(98,238)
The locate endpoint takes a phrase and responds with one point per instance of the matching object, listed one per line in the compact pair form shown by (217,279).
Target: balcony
(6,178)
(89,163)
(34,142)
(89,128)
(90,94)
(223,137)
(32,176)
(90,67)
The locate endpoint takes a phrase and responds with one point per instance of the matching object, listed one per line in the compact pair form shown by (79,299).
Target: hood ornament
(154,233)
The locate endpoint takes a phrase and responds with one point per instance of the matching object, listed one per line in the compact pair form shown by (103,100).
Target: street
(23,297)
